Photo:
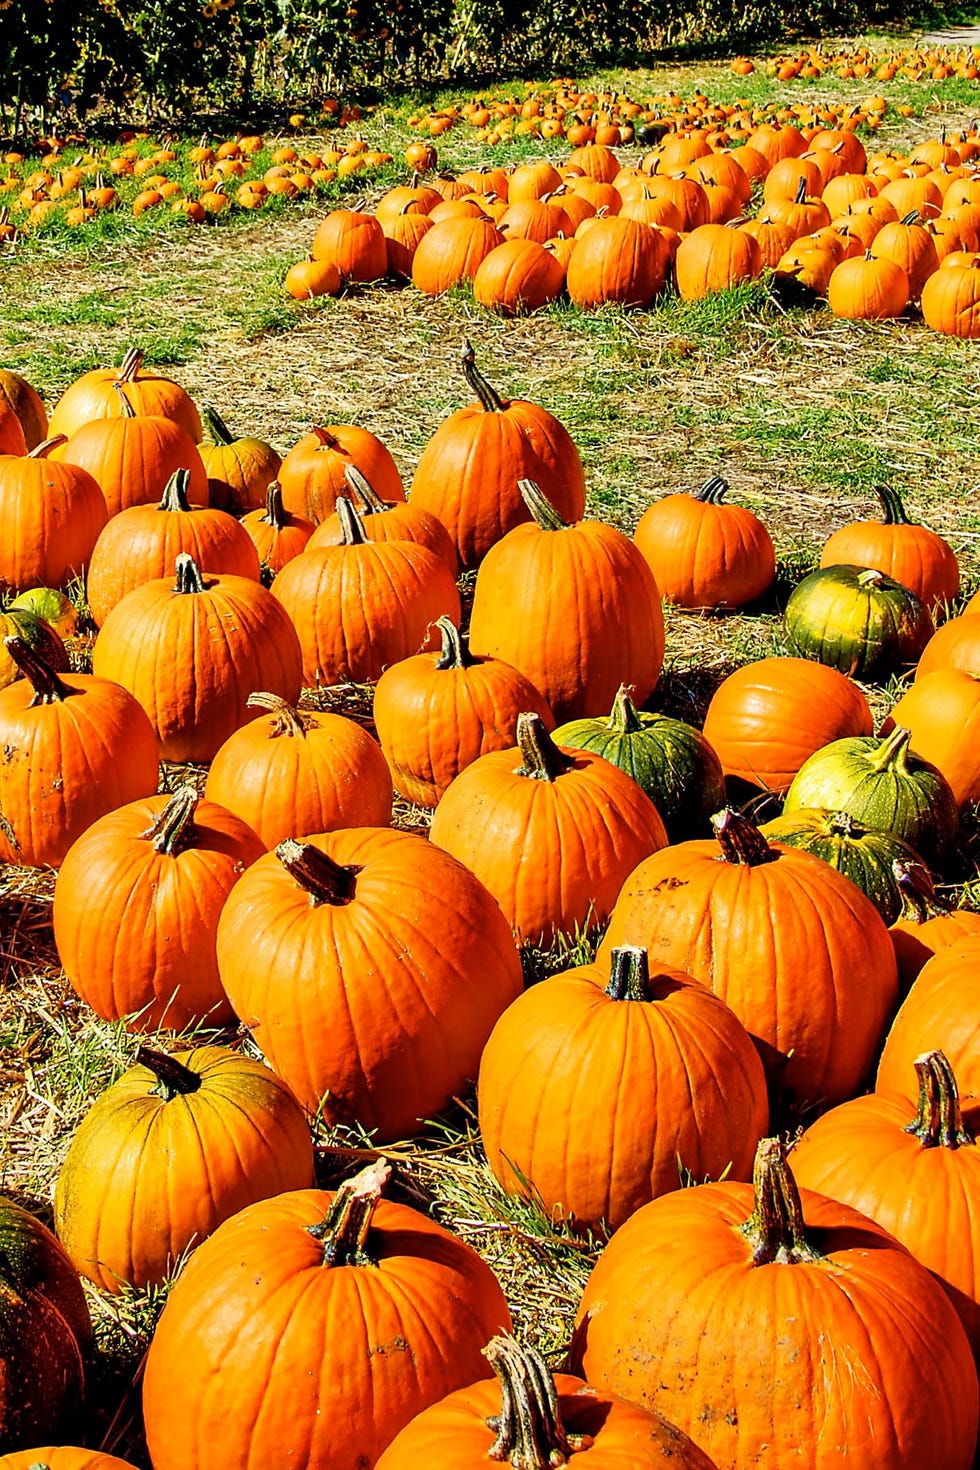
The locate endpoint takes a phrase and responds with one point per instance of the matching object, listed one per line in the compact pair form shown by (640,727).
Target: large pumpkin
(772,1325)
(132,458)
(174,1147)
(715,257)
(354,242)
(951,300)
(863,854)
(704,553)
(601,1088)
(158,873)
(518,277)
(768,717)
(100,394)
(909,553)
(942,711)
(941,1013)
(371,968)
(469,471)
(737,914)
(314,472)
(857,620)
(453,251)
(192,650)
(50,518)
(618,260)
(956,645)
(247,1363)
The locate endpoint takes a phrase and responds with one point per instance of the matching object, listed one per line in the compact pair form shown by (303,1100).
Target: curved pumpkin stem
(455,649)
(740,841)
(174,495)
(775,1229)
(530,1434)
(938,1123)
(871,577)
(173,1078)
(713,491)
(920,902)
(324,880)
(344,1228)
(893,751)
(542,759)
(42,450)
(893,511)
(489,397)
(357,481)
(288,720)
(275,511)
(352,532)
(327,440)
(126,409)
(173,828)
(130,365)
(216,426)
(623,717)
(541,508)
(842,824)
(629,973)
(48,687)
(188,574)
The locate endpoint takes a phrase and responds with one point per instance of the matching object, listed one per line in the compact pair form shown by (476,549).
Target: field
(802,413)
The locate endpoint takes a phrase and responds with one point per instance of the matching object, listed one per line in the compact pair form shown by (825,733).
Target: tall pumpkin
(574,606)
(704,553)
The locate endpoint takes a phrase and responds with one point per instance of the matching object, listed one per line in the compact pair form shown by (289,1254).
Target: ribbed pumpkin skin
(240,473)
(855,1358)
(147,1177)
(263,1355)
(312,474)
(50,518)
(768,717)
(276,544)
(518,276)
(452,251)
(192,659)
(915,944)
(864,628)
(454,1434)
(742,930)
(94,396)
(131,460)
(62,1457)
(289,782)
(617,260)
(941,1013)
(576,610)
(24,401)
(45,1331)
(715,257)
(357,609)
(150,959)
(704,555)
(942,710)
(863,855)
(956,645)
(331,995)
(913,555)
(951,301)
(561,1080)
(67,764)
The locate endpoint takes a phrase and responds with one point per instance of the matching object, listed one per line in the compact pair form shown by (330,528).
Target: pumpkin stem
(126,409)
(288,720)
(920,902)
(912,218)
(324,880)
(739,840)
(344,1228)
(842,824)
(542,759)
(364,490)
(541,508)
(42,450)
(352,532)
(530,1434)
(175,492)
(713,491)
(624,719)
(893,751)
(130,365)
(275,511)
(871,577)
(48,687)
(188,574)
(800,196)
(893,511)
(775,1229)
(173,1078)
(173,828)
(489,397)
(216,426)
(327,440)
(629,974)
(938,1123)
(455,649)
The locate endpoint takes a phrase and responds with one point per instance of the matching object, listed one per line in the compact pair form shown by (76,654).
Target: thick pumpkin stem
(542,759)
(893,751)
(352,532)
(713,491)
(455,649)
(624,718)
(800,196)
(530,1434)
(173,828)
(541,508)
(327,440)
(48,687)
(130,365)
(173,1078)
(216,426)
(364,490)
(126,409)
(870,578)
(938,1123)
(42,450)
(175,492)
(629,974)
(739,840)
(188,574)
(324,880)
(275,511)
(288,720)
(893,511)
(344,1228)
(489,397)
(775,1229)
(842,824)
(920,902)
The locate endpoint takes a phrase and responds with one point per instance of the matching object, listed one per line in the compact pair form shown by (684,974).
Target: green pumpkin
(671,761)
(882,785)
(857,620)
(860,853)
(37,634)
(45,1331)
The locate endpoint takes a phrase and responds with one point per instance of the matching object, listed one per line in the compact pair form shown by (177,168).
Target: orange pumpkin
(517,277)
(385,520)
(101,394)
(940,1012)
(354,242)
(715,257)
(276,533)
(618,260)
(240,470)
(915,556)
(131,457)
(313,474)
(704,553)
(50,518)
(451,252)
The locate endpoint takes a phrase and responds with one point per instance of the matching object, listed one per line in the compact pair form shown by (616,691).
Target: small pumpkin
(239,470)
(704,553)
(278,534)
(909,553)
(857,620)
(313,474)
(863,854)
(51,605)
(925,923)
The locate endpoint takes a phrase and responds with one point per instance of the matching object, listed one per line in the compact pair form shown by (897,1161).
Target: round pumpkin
(905,551)
(452,251)
(942,711)
(864,288)
(863,854)
(62,1457)
(704,553)
(96,395)
(314,472)
(278,535)
(252,1322)
(951,300)
(618,261)
(49,605)
(50,518)
(354,242)
(174,1147)
(239,470)
(715,257)
(132,457)
(941,1013)
(857,620)
(956,645)
(518,277)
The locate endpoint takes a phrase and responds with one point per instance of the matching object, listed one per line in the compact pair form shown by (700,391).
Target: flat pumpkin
(864,855)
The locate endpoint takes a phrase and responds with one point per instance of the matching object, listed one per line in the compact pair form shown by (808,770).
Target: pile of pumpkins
(824,1302)
(873,235)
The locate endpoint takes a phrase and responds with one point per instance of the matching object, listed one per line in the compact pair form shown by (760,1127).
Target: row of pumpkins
(872,235)
(378,971)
